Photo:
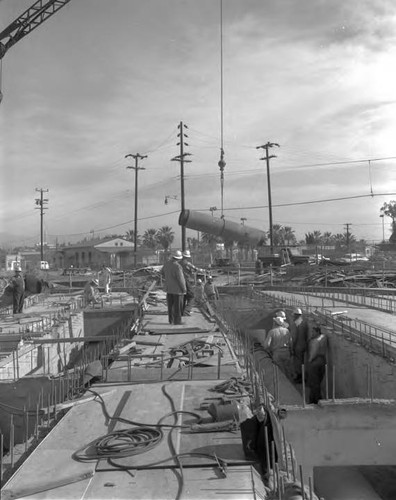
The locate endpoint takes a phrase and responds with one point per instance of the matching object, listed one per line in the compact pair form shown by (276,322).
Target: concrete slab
(145,403)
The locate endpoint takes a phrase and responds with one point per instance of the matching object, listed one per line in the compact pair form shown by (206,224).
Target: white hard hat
(199,281)
(177,255)
(281,314)
(187,254)
(297,310)
(95,282)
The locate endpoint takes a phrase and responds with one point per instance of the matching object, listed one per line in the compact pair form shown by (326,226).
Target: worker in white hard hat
(91,292)
(300,332)
(281,314)
(17,285)
(175,287)
(278,344)
(189,271)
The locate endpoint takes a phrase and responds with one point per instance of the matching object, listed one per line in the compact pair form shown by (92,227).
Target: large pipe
(220,227)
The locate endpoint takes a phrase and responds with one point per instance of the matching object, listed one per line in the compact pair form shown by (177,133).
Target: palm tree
(327,238)
(150,238)
(277,235)
(165,237)
(289,236)
(314,238)
(209,240)
(130,236)
(193,243)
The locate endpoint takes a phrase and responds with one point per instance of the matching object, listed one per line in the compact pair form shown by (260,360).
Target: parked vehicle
(354,257)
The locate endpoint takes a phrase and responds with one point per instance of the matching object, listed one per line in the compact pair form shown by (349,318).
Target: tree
(389,209)
(165,237)
(327,238)
(277,235)
(150,238)
(130,236)
(209,240)
(289,236)
(193,243)
(313,238)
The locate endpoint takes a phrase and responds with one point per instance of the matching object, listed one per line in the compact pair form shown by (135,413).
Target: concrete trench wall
(358,372)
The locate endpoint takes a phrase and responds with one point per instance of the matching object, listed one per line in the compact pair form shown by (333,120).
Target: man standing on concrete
(18,290)
(317,359)
(175,287)
(106,271)
(299,332)
(278,344)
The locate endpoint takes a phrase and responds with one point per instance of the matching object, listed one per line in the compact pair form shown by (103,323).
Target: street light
(212,209)
(383,229)
(169,197)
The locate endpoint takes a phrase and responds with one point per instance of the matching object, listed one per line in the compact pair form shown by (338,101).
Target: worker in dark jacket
(175,287)
(18,290)
(189,270)
(211,292)
(299,332)
(317,359)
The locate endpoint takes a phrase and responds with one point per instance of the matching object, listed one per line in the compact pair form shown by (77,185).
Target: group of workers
(179,284)
(295,345)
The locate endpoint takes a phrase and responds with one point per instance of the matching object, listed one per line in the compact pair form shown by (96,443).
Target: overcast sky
(105,78)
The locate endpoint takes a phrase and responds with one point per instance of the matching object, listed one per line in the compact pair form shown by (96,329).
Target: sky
(102,79)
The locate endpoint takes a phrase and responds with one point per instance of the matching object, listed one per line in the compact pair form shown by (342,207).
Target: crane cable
(1,79)
(221,162)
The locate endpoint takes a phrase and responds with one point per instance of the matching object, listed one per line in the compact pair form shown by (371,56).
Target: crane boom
(35,15)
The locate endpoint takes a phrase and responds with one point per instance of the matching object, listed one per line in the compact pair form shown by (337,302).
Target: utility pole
(383,228)
(41,202)
(136,168)
(182,159)
(267,158)
(347,224)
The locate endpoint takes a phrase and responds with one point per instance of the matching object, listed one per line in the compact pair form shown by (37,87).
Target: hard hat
(279,321)
(177,255)
(281,314)
(199,281)
(18,268)
(297,310)
(95,282)
(187,254)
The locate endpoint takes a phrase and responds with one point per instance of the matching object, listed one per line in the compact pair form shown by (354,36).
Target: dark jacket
(175,282)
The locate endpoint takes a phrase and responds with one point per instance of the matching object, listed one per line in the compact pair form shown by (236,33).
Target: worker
(299,331)
(189,270)
(199,292)
(175,287)
(106,272)
(278,344)
(91,292)
(281,314)
(317,360)
(211,291)
(17,285)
